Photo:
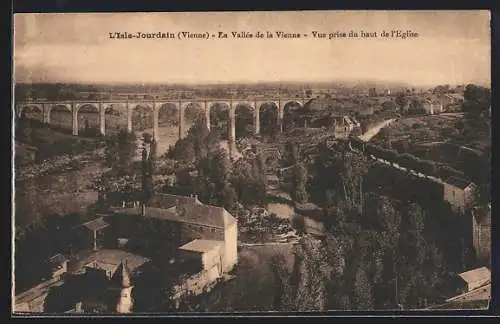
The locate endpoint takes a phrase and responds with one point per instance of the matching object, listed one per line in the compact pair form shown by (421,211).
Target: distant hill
(271,84)
(341,106)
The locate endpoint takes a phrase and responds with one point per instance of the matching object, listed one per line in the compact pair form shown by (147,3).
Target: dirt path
(373,131)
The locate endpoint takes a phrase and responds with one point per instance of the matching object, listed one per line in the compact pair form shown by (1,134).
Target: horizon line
(214,83)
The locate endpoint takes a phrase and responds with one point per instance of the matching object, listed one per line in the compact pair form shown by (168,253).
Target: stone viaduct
(45,107)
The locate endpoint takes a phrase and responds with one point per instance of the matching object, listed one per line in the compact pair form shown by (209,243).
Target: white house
(205,254)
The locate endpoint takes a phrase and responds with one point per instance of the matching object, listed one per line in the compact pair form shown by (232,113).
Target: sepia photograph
(251,162)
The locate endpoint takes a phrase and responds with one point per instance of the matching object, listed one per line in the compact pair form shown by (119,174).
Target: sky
(453,47)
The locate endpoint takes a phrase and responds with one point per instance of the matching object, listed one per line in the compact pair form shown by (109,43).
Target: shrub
(391,155)
(445,172)
(407,160)
(427,167)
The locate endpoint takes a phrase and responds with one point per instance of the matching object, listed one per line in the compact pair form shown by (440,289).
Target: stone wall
(197,283)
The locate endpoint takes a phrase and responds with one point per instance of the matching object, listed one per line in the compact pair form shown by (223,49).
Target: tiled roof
(478,275)
(96,224)
(458,182)
(201,246)
(463,305)
(57,259)
(109,259)
(38,290)
(196,213)
(481,293)
(166,201)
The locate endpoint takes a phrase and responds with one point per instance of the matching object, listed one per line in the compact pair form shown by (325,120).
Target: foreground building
(476,295)
(197,221)
(104,278)
(101,280)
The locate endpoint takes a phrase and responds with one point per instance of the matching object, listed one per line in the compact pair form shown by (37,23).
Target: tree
(408,161)
(120,149)
(152,156)
(388,216)
(416,220)
(388,105)
(353,168)
(147,176)
(477,100)
(299,191)
(362,299)
(284,299)
(214,178)
(248,181)
(291,153)
(196,145)
(228,197)
(401,100)
(243,122)
(306,287)
(427,167)
(183,178)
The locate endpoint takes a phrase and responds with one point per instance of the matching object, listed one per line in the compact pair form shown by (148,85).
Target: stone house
(460,193)
(197,221)
(432,107)
(343,125)
(115,267)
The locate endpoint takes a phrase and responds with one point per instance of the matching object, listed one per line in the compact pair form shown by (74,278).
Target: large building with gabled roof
(197,221)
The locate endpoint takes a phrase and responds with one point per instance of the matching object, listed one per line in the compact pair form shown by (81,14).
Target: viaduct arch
(180,105)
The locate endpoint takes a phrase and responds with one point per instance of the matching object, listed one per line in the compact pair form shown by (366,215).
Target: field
(422,134)
(347,105)
(447,138)
(422,129)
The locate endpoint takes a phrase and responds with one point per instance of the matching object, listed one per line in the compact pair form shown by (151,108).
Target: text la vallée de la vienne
(184,35)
